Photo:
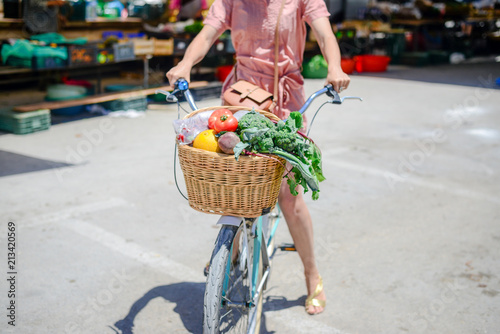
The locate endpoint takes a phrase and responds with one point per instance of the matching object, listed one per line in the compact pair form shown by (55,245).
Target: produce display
(251,133)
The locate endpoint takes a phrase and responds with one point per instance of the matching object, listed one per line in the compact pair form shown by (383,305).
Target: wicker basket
(218,184)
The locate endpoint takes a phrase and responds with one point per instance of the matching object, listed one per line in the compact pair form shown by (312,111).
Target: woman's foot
(316,300)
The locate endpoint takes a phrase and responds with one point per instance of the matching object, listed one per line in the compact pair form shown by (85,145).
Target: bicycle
(240,264)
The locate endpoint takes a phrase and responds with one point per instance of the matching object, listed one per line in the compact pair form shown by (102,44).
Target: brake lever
(351,98)
(170,97)
(336,98)
(332,93)
(180,85)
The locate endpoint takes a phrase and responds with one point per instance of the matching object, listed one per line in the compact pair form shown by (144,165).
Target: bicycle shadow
(188,297)
(276,303)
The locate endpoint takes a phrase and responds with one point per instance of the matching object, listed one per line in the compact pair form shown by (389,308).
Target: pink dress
(252,24)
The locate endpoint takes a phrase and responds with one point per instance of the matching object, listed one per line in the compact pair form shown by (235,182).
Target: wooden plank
(416,22)
(8,21)
(100,23)
(98,98)
(7,70)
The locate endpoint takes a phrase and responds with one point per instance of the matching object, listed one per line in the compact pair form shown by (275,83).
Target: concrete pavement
(407,224)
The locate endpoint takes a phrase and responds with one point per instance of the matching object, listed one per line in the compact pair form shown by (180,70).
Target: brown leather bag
(246,94)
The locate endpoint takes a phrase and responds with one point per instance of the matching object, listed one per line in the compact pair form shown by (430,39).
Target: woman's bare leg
(300,225)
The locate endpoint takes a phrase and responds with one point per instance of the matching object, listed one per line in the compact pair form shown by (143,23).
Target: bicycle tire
(220,313)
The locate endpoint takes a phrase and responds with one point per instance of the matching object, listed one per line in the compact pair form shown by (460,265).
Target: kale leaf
(259,134)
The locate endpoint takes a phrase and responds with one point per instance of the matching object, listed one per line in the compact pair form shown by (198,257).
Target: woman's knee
(290,203)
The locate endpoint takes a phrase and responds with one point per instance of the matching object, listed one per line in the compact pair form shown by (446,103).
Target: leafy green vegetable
(303,167)
(258,134)
(253,119)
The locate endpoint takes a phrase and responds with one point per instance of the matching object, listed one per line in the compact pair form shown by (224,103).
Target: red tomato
(226,123)
(222,120)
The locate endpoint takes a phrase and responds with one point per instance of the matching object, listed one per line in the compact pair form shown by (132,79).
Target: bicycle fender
(230,220)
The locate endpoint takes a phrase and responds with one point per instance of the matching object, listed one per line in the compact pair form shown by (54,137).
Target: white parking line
(413,180)
(134,251)
(178,271)
(67,218)
(183,273)
(74,211)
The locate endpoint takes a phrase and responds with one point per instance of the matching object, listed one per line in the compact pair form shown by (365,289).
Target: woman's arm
(196,51)
(331,52)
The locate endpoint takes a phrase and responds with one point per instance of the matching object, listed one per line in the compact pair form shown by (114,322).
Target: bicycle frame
(262,243)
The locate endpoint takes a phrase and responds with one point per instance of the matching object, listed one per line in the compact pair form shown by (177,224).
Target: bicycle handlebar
(328,89)
(182,85)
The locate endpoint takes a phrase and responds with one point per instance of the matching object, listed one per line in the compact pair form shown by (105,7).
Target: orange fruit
(206,140)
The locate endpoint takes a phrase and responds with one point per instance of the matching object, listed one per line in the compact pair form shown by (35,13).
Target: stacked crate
(24,123)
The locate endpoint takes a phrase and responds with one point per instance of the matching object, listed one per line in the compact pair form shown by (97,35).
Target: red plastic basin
(371,63)
(347,65)
(223,71)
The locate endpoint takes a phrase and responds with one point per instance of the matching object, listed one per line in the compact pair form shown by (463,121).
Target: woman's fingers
(341,84)
(339,80)
(180,71)
(171,78)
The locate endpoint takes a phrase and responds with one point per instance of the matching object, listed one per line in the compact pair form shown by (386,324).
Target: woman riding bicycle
(252,24)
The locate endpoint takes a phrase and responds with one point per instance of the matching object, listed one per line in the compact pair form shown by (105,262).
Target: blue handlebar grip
(182,84)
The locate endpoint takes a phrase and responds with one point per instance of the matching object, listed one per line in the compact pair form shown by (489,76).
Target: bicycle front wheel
(228,305)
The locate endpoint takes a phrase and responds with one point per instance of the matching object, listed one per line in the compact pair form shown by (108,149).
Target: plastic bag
(187,129)
(240,113)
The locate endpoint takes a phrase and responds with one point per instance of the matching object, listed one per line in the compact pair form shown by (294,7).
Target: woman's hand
(337,78)
(181,71)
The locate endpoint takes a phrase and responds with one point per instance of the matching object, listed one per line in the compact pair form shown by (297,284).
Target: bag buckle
(248,92)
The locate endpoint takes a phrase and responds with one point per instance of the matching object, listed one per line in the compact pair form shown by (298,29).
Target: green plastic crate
(415,58)
(396,45)
(26,122)
(139,103)
(133,103)
(437,57)
(49,57)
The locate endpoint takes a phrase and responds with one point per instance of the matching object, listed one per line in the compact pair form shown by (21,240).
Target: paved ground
(406,226)
(472,73)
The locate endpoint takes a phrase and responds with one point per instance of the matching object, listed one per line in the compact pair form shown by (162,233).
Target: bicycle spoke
(238,268)
(235,308)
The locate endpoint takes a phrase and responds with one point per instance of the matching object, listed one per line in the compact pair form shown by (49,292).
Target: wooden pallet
(99,98)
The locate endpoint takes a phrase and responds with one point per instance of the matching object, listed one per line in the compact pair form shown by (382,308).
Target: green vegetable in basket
(259,135)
